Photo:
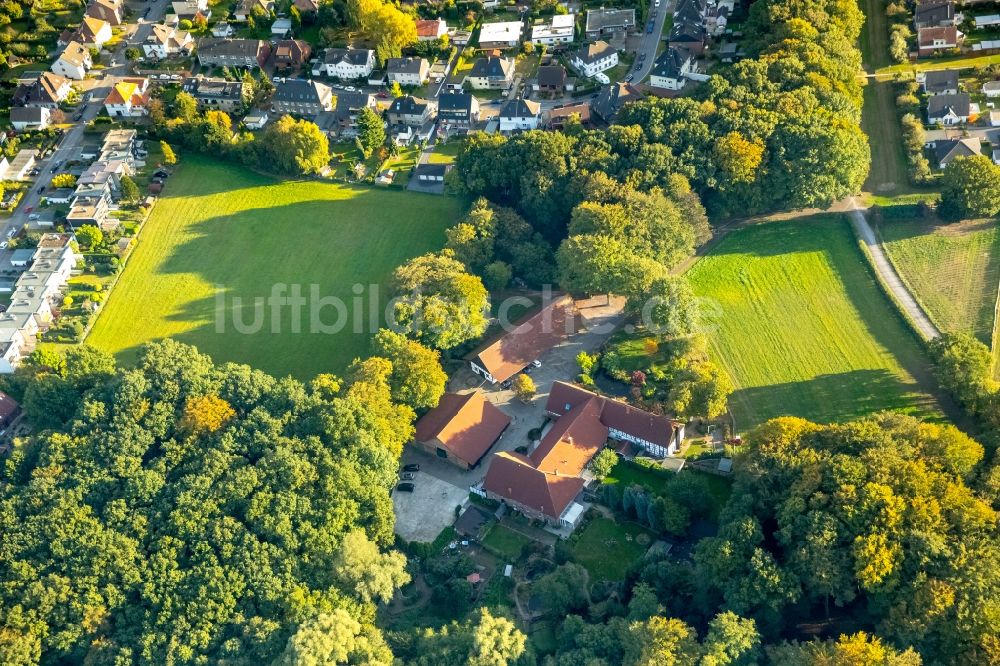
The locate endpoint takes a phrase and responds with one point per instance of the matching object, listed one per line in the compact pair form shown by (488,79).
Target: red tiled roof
(507,356)
(512,475)
(615,414)
(926,36)
(465,424)
(573,440)
(428,27)
(8,406)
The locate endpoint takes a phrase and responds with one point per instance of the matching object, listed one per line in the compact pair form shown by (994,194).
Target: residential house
(555,31)
(519,115)
(408,71)
(306,6)
(233,52)
(255,120)
(431,174)
(612,98)
(512,352)
(215,93)
(594,58)
(492,73)
(21,165)
(947,150)
(166,41)
(671,69)
(189,9)
(73,62)
(411,111)
(934,40)
(48,90)
(551,81)
(991,89)
(941,82)
(301,97)
(221,30)
(461,428)
(948,109)
(344,64)
(609,22)
(129,98)
(934,14)
(245,9)
(687,34)
(281,28)
(556,119)
(545,483)
(343,120)
(9,410)
(431,29)
(30,117)
(994,118)
(457,111)
(291,53)
(109,11)
(93,32)
(503,35)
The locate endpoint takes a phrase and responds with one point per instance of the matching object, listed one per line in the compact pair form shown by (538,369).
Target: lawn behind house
(797,319)
(220,225)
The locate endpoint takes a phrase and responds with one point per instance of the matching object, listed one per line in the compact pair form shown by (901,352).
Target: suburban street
(650,42)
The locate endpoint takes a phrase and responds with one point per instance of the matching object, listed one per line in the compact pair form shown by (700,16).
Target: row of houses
(35,296)
(98,188)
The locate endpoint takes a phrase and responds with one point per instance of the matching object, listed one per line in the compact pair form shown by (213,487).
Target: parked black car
(412,467)
(405,487)
(408,476)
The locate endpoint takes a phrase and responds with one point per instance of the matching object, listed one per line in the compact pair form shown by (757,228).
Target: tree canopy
(185,512)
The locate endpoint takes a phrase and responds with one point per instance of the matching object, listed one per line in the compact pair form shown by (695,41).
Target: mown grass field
(606,549)
(952,269)
(220,228)
(795,316)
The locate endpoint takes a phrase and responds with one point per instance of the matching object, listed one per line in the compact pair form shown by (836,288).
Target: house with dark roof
(688,34)
(344,64)
(949,109)
(48,90)
(933,14)
(430,174)
(233,52)
(411,111)
(462,428)
(947,150)
(457,111)
(215,93)
(512,352)
(30,117)
(612,98)
(601,22)
(245,8)
(671,69)
(301,97)
(342,121)
(544,483)
(291,53)
(937,39)
(594,58)
(408,71)
(491,73)
(519,115)
(551,81)
(940,82)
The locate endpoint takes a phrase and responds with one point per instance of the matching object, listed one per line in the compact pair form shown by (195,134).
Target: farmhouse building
(545,483)
(514,351)
(461,429)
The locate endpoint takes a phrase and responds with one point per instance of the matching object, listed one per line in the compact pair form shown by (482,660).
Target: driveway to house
(889,277)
